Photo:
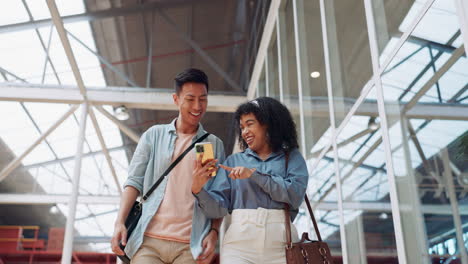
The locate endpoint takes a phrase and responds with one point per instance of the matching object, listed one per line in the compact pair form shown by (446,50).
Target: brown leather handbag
(306,250)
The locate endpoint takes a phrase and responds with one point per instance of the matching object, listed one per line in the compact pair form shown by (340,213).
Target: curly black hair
(281,129)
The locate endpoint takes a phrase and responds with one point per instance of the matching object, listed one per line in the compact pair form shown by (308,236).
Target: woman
(255,184)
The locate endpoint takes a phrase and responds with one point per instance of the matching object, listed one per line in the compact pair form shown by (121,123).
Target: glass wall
(378,90)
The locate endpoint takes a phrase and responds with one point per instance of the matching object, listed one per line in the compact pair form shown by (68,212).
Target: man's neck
(184,128)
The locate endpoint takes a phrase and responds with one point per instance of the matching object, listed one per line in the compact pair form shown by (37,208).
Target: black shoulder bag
(137,208)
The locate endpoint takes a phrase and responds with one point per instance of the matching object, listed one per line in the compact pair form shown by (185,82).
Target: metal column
(400,242)
(454,204)
(70,226)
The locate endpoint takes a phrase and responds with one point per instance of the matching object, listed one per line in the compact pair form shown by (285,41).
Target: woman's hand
(202,173)
(237,173)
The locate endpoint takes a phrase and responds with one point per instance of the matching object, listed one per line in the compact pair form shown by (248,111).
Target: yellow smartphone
(207,149)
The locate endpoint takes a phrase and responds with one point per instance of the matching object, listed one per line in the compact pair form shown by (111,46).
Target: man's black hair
(281,129)
(190,75)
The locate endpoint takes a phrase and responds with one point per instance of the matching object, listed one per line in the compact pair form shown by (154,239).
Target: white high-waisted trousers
(256,236)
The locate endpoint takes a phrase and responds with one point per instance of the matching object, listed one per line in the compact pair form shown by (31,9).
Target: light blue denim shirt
(152,157)
(269,187)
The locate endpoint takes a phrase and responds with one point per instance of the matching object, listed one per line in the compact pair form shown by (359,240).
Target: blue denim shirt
(152,157)
(269,187)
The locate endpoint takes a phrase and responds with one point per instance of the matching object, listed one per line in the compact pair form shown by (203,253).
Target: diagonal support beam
(270,25)
(104,148)
(5,72)
(104,61)
(16,162)
(125,129)
(200,51)
(66,45)
(62,160)
(349,140)
(46,49)
(437,75)
(355,166)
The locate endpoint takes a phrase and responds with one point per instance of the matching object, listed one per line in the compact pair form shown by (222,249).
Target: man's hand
(120,234)
(202,173)
(237,173)
(209,244)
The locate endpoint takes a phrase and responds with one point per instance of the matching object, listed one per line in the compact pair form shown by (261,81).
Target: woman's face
(254,134)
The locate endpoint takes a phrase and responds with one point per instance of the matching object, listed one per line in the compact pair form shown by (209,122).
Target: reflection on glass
(314,92)
(326,213)
(429,160)
(261,88)
(348,45)
(365,187)
(272,66)
(289,66)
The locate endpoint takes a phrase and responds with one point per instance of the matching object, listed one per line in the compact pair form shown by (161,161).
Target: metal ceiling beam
(141,98)
(437,75)
(125,129)
(46,49)
(61,160)
(115,200)
(14,198)
(104,61)
(349,173)
(348,140)
(90,16)
(161,99)
(66,46)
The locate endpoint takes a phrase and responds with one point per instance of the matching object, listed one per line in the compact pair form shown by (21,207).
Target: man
(172,229)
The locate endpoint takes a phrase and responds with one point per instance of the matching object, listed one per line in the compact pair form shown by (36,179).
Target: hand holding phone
(207,149)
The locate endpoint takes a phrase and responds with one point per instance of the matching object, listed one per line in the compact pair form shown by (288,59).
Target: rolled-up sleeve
(289,189)
(219,150)
(139,163)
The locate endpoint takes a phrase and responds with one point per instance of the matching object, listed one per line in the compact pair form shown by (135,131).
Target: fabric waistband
(259,216)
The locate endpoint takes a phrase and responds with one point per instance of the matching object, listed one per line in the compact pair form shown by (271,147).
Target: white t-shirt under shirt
(173,220)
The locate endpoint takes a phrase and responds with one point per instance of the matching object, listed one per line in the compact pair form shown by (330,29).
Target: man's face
(192,102)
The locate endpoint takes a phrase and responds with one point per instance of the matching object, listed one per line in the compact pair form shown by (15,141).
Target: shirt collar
(250,152)
(200,130)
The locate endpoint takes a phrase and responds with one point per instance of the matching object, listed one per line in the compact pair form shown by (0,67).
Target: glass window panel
(66,9)
(86,59)
(348,45)
(12,12)
(22,54)
(423,54)
(261,88)
(321,177)
(314,92)
(39,9)
(289,66)
(392,19)
(365,187)
(427,152)
(273,80)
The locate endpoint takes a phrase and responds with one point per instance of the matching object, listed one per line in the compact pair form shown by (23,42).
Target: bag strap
(174,163)
(288,217)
